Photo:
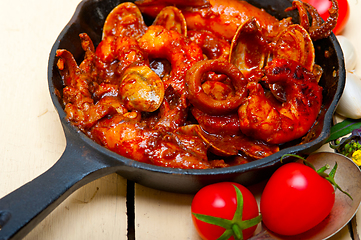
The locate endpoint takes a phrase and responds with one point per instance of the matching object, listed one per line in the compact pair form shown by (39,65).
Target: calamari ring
(206,103)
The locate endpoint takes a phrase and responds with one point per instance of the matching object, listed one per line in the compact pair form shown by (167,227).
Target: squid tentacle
(318,28)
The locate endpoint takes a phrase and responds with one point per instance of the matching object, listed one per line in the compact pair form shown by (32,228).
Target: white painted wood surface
(32,140)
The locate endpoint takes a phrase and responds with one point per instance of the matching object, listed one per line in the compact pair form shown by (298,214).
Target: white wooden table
(32,139)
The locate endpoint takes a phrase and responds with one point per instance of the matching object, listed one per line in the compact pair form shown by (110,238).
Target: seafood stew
(182,97)
(90,17)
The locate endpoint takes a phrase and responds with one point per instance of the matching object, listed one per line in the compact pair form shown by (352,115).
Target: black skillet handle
(24,208)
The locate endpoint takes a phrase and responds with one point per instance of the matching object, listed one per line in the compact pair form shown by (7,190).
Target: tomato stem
(237,231)
(297,156)
(323,169)
(331,179)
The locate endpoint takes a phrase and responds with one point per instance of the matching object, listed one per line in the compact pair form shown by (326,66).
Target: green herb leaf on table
(343,128)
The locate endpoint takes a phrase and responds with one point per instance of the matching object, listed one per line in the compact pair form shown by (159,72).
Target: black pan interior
(89,17)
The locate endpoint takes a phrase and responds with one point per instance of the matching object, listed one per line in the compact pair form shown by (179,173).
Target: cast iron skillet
(84,161)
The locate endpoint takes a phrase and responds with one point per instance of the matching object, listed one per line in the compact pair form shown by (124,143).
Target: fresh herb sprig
(349,146)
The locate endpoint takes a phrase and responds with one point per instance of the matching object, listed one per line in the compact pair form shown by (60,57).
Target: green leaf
(343,128)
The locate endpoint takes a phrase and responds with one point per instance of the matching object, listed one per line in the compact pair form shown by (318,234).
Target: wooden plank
(163,215)
(32,139)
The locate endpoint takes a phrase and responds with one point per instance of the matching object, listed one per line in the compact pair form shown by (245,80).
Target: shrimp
(114,55)
(263,117)
(152,8)
(225,16)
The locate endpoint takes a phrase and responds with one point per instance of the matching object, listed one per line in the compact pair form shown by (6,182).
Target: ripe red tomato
(322,7)
(295,199)
(220,200)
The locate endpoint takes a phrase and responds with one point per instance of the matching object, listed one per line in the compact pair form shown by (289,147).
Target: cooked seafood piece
(264,117)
